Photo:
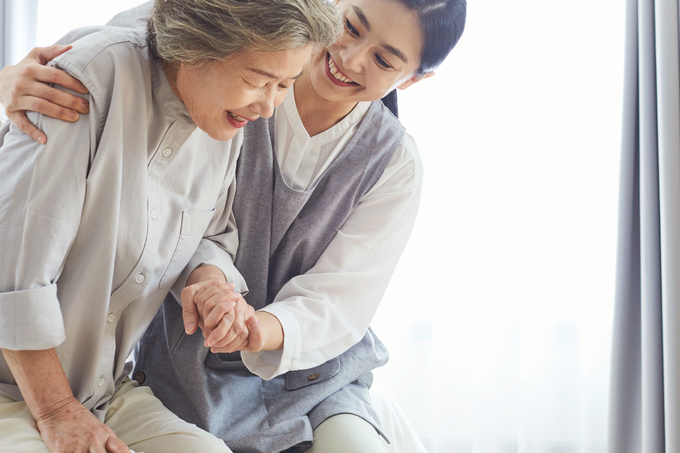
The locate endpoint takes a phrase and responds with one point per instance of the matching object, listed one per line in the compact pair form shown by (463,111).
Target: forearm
(41,379)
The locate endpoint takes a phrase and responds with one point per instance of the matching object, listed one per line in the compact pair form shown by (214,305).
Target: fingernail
(73,115)
(42,140)
(213,350)
(189,327)
(86,107)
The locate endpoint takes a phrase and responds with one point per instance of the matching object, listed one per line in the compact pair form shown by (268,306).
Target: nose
(264,105)
(352,56)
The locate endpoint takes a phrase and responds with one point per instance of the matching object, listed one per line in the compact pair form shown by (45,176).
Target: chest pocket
(194,224)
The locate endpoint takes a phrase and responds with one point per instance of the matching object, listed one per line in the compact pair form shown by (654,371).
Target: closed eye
(350,28)
(382,63)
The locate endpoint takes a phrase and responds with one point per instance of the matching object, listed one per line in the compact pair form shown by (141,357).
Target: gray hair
(201,31)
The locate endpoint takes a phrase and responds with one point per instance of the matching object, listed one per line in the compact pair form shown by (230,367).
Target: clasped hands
(227,321)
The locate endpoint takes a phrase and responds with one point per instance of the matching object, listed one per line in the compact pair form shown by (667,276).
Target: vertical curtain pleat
(644,401)
(18,26)
(668,95)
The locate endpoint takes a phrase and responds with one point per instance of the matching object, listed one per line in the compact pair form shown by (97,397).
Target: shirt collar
(167,98)
(327,136)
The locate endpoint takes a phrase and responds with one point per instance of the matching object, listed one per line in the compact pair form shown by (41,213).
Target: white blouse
(327,310)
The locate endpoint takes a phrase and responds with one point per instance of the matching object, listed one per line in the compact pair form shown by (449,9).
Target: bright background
(498,318)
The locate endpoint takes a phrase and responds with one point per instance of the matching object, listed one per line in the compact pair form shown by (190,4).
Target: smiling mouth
(337,74)
(236,117)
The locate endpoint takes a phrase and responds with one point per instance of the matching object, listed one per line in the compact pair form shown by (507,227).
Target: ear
(415,79)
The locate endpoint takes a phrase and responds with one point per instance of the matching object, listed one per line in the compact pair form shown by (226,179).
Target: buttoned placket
(138,279)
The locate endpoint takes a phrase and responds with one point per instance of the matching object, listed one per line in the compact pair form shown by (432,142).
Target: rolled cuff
(269,364)
(31,319)
(210,254)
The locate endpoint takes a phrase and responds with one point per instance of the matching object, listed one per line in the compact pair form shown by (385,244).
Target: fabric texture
(338,297)
(136,416)
(346,433)
(282,232)
(645,391)
(98,224)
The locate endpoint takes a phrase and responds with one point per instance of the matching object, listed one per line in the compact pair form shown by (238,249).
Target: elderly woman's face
(222,97)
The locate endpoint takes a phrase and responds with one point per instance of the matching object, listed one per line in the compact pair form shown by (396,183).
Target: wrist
(204,274)
(272,331)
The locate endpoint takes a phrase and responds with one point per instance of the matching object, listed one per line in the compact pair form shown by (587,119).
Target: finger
(44,55)
(221,315)
(224,329)
(49,74)
(256,337)
(235,341)
(208,301)
(95,448)
(40,105)
(238,331)
(115,445)
(21,121)
(189,309)
(56,95)
(213,287)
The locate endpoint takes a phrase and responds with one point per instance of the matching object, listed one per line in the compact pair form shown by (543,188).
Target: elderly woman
(98,222)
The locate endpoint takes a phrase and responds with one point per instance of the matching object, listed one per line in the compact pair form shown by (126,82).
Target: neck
(318,114)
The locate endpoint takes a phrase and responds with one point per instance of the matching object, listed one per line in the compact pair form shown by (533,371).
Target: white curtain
(18,33)
(645,391)
(498,319)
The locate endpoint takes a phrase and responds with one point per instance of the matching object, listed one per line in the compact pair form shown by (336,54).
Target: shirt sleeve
(42,190)
(327,310)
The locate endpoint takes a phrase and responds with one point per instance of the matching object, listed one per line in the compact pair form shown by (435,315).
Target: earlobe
(415,79)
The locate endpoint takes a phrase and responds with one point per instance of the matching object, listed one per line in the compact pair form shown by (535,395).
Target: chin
(221,135)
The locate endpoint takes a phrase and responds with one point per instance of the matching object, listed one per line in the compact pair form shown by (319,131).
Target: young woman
(98,223)
(326,195)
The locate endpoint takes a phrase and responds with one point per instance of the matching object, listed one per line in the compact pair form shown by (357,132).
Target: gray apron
(282,233)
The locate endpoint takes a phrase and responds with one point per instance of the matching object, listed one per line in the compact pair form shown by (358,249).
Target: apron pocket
(304,378)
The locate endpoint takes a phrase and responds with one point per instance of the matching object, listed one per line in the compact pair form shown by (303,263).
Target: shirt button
(111,318)
(140,278)
(154,213)
(167,152)
(139,377)
(313,376)
(101,382)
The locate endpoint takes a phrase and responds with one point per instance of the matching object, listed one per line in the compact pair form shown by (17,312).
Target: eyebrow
(269,74)
(362,17)
(364,21)
(398,53)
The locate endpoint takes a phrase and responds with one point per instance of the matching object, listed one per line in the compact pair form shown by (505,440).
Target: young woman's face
(222,97)
(379,50)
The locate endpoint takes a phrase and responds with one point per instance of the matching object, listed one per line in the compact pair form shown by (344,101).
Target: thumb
(189,309)
(46,54)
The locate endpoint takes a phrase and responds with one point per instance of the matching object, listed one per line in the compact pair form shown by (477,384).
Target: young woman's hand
(26,86)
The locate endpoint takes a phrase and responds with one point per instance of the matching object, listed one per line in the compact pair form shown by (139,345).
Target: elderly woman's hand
(26,86)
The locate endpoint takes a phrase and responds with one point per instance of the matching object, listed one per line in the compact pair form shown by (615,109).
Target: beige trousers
(346,433)
(136,416)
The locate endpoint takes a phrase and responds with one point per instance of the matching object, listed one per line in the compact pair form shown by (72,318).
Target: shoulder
(109,60)
(136,17)
(95,46)
(404,173)
(407,159)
